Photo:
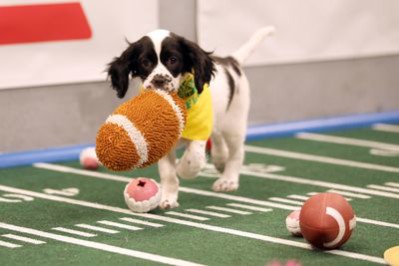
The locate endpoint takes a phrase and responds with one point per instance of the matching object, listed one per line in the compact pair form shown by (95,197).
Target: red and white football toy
(142,194)
(292,223)
(88,159)
(327,220)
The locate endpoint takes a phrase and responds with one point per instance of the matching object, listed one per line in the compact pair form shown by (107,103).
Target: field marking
(320,159)
(228,210)
(390,189)
(347,141)
(299,197)
(392,184)
(185,215)
(249,207)
(305,181)
(99,246)
(213,228)
(9,200)
(136,221)
(215,214)
(300,203)
(24,239)
(369,221)
(248,200)
(9,245)
(73,232)
(278,177)
(349,194)
(96,228)
(386,128)
(119,225)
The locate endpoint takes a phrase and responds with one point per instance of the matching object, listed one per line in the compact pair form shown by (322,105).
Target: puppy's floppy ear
(120,68)
(198,60)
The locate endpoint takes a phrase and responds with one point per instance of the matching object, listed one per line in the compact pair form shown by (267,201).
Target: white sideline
(300,203)
(160,218)
(320,159)
(347,141)
(99,246)
(349,194)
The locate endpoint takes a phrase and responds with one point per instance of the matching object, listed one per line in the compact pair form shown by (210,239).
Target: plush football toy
(141,131)
(327,220)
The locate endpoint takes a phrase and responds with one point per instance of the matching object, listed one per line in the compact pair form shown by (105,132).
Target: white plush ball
(88,159)
(292,223)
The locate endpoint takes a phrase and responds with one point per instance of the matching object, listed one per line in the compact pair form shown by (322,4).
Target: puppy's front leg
(169,181)
(193,159)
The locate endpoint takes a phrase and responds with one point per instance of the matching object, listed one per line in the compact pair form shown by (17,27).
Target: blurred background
(327,59)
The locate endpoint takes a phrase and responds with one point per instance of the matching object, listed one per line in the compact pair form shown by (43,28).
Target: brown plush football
(327,220)
(141,131)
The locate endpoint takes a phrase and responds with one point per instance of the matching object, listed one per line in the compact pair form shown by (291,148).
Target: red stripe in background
(41,23)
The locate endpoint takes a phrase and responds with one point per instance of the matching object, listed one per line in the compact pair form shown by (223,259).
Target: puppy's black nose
(158,80)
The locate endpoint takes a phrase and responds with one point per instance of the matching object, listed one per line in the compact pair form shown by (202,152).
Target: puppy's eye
(146,63)
(172,60)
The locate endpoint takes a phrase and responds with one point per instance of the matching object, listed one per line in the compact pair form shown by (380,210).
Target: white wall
(307,30)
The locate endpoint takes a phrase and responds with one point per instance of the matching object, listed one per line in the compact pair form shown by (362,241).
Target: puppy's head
(160,59)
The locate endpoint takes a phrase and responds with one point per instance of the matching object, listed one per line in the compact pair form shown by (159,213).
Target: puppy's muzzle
(161,81)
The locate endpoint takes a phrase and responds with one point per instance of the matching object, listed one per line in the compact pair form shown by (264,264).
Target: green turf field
(40,202)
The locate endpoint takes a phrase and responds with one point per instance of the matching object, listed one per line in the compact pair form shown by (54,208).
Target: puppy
(165,61)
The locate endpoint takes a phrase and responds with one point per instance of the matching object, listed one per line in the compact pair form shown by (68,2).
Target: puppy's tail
(246,50)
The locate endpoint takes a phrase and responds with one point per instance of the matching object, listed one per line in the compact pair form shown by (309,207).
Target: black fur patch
(232,87)
(229,62)
(139,59)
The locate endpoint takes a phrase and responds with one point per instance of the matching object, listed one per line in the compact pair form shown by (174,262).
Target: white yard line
(119,225)
(214,214)
(73,232)
(228,210)
(299,197)
(185,215)
(9,245)
(369,221)
(254,201)
(98,206)
(386,128)
(300,203)
(292,179)
(24,239)
(378,187)
(99,246)
(392,184)
(136,221)
(349,194)
(347,141)
(249,207)
(96,228)
(318,183)
(320,159)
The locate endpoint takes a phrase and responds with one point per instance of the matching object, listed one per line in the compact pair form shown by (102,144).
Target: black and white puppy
(160,60)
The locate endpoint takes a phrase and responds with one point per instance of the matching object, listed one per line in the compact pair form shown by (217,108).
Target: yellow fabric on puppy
(199,110)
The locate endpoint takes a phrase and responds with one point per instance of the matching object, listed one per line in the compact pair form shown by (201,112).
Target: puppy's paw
(167,204)
(225,185)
